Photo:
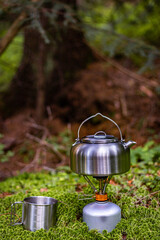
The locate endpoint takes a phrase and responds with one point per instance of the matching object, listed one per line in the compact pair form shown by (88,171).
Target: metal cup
(37,212)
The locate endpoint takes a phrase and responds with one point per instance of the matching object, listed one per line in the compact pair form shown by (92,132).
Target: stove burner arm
(90,183)
(106,184)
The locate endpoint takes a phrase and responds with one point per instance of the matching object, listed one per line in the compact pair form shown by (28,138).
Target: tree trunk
(40,86)
(47,72)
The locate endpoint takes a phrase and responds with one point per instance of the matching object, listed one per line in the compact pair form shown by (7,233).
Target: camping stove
(100,156)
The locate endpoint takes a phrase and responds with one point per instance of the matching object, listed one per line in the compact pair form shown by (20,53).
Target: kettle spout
(129,144)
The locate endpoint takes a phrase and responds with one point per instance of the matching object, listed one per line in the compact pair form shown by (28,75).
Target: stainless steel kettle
(100,155)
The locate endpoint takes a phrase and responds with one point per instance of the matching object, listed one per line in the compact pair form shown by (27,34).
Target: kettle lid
(99,137)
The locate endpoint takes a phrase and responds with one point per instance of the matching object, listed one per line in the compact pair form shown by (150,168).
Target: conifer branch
(12,32)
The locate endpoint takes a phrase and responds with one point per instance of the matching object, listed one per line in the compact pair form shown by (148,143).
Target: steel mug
(37,212)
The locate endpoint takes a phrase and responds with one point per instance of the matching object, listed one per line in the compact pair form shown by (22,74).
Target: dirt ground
(132,103)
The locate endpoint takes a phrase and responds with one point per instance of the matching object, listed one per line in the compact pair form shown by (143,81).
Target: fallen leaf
(79,187)
(5,194)
(113,182)
(43,190)
(130,182)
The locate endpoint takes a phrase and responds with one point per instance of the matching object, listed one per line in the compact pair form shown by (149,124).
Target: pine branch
(46,144)
(12,32)
(139,43)
(118,66)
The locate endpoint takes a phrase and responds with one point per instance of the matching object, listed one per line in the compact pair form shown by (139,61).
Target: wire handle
(103,117)
(12,222)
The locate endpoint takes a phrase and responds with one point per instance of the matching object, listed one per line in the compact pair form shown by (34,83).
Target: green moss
(140,209)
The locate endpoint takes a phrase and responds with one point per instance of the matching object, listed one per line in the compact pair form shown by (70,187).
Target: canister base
(101,215)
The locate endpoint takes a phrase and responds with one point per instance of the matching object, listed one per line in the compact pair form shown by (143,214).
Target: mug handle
(12,222)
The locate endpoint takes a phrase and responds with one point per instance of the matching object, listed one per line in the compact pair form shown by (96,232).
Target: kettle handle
(103,117)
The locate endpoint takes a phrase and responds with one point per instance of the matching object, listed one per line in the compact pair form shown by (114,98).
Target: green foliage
(26,152)
(126,28)
(4,156)
(132,192)
(142,17)
(62,142)
(146,155)
(9,62)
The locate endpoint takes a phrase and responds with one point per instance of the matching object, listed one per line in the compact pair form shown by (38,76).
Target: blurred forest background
(62,61)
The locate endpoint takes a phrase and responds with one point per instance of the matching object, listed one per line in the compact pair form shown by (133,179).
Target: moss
(131,191)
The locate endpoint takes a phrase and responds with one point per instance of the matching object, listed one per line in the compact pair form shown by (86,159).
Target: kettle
(100,155)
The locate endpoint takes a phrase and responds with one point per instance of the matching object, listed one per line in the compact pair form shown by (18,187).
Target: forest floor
(136,193)
(131,100)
